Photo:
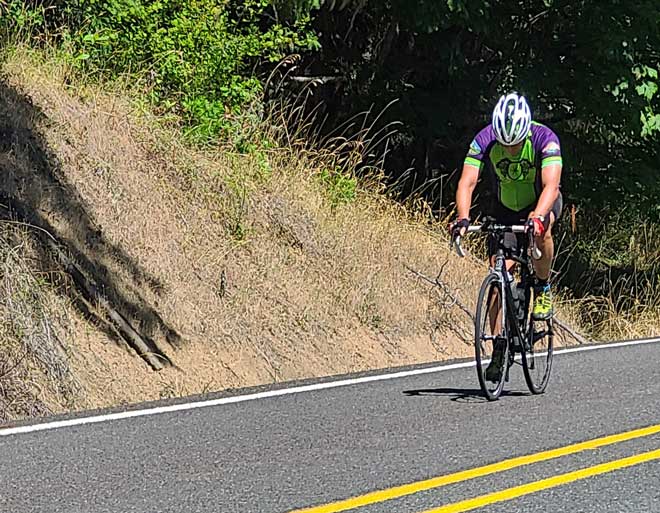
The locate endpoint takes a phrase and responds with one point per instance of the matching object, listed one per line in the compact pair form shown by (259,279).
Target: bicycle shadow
(461,395)
(34,189)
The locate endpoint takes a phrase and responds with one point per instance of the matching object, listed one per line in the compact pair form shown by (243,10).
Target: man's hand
(459,227)
(538,224)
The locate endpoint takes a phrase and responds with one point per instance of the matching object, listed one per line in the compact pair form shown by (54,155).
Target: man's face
(514,150)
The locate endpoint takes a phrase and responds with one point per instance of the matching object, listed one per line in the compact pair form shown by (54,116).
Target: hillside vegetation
(240,269)
(172,189)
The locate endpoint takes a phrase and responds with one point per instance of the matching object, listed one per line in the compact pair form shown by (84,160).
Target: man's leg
(543,308)
(495,310)
(547,247)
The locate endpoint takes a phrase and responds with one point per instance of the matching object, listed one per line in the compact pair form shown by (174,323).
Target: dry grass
(615,268)
(262,277)
(603,320)
(35,375)
(239,267)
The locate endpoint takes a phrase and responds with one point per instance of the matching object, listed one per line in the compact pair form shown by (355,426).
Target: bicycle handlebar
(496,228)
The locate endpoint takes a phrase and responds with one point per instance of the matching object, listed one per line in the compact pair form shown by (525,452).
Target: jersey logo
(514,171)
(551,149)
(475,149)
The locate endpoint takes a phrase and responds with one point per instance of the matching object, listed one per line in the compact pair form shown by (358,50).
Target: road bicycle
(502,297)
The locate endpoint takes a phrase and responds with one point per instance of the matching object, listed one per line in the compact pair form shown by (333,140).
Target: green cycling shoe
(543,309)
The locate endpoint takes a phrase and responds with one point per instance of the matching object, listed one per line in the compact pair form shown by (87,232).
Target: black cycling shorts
(503,215)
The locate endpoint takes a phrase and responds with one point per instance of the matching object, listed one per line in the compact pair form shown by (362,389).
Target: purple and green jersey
(518,176)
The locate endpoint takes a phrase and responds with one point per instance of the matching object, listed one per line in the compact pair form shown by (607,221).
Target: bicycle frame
(512,328)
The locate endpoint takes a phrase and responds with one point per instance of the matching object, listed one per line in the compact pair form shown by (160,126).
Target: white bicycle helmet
(512,119)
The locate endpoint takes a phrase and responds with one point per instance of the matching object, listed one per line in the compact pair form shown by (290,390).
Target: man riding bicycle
(524,157)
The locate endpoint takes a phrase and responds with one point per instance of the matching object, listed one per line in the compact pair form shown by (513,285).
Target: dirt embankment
(240,270)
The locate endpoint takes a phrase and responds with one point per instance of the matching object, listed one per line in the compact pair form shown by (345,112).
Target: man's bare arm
(550,178)
(466,185)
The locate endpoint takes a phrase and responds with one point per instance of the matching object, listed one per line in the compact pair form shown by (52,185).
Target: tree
(589,68)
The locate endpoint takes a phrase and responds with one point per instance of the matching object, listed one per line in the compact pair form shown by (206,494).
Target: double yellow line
(508,494)
(544,484)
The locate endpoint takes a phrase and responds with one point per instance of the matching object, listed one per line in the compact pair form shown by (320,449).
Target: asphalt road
(279,454)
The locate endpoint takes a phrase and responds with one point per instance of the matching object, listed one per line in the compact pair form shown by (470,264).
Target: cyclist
(524,159)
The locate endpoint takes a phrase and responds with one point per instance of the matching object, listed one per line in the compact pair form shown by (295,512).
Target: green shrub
(197,58)
(341,189)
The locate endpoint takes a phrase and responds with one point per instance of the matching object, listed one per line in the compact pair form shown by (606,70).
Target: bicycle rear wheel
(537,355)
(490,338)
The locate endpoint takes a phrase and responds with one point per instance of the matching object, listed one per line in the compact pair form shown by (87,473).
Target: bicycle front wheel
(537,355)
(490,338)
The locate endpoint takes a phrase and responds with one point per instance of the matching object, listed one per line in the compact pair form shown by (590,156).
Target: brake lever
(456,244)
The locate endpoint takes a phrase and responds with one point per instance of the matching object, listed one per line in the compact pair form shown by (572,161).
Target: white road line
(276,393)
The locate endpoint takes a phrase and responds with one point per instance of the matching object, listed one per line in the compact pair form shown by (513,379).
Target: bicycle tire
(484,340)
(537,355)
